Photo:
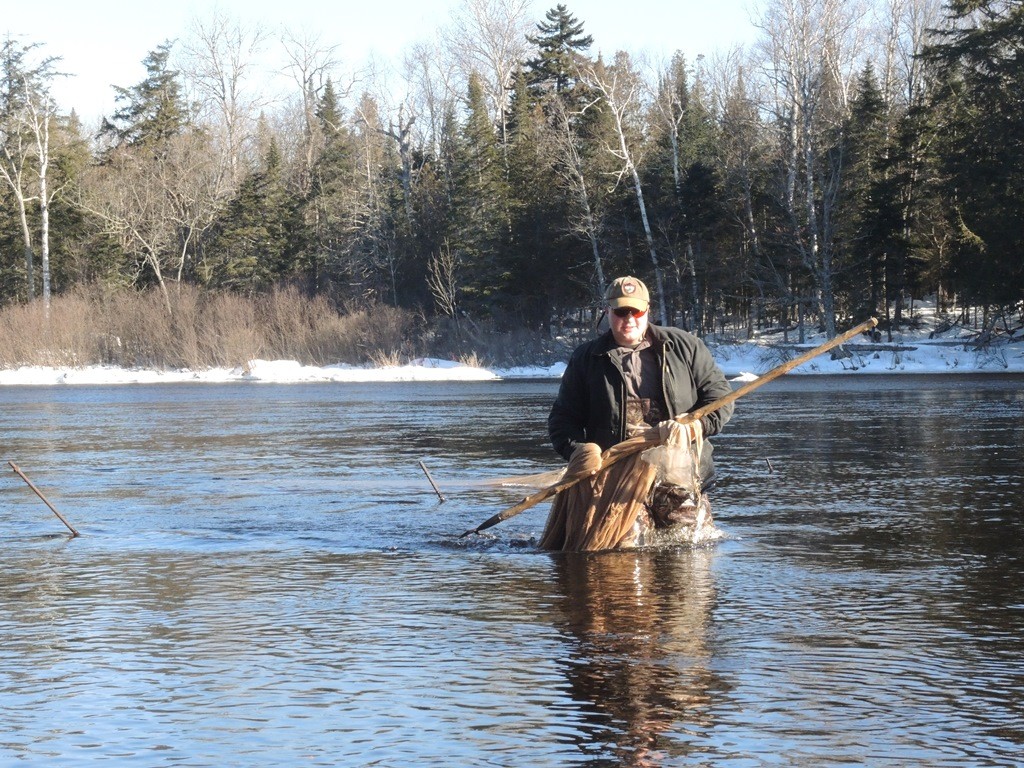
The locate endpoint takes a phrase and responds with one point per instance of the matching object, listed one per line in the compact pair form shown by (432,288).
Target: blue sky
(103,43)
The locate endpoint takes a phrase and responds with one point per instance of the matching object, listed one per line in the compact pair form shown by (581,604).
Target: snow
(741,362)
(920,352)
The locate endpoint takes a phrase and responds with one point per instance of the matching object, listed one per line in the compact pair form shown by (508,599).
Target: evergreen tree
(81,253)
(871,229)
(152,111)
(541,254)
(12,268)
(559,42)
(254,245)
(980,62)
(329,203)
(480,219)
(745,167)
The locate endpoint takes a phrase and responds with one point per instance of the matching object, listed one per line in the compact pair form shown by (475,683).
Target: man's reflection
(639,657)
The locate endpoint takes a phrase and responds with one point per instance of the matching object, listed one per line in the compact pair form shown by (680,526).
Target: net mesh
(611,510)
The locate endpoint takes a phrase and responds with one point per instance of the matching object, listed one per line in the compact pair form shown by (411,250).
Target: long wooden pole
(686,418)
(433,485)
(40,495)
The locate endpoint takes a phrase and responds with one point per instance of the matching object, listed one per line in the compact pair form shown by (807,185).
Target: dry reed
(92,326)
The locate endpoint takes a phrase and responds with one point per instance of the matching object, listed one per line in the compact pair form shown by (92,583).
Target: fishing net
(649,483)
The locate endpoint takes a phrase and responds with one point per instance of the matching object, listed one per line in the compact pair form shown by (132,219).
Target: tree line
(857,155)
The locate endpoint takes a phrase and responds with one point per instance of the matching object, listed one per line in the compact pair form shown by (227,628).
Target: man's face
(628,327)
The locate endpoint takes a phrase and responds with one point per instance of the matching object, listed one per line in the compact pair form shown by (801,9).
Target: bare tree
(311,65)
(39,116)
(121,194)
(26,112)
(905,27)
(156,207)
(190,177)
(219,56)
(488,37)
(571,169)
(396,121)
(373,250)
(621,89)
(430,78)
(443,280)
(809,50)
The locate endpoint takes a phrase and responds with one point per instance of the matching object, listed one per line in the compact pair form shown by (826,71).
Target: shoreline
(741,362)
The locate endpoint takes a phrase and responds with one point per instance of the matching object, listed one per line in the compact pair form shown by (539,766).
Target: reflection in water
(638,664)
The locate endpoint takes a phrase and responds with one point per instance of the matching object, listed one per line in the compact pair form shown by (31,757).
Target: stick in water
(432,483)
(40,495)
(639,444)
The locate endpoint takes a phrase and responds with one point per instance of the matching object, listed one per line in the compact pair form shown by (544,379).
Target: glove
(584,460)
(674,433)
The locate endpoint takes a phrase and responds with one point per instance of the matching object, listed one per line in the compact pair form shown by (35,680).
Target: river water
(265,577)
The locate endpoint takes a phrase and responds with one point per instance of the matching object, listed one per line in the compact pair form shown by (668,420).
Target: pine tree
(870,229)
(981,70)
(480,218)
(254,244)
(329,203)
(559,42)
(152,111)
(541,255)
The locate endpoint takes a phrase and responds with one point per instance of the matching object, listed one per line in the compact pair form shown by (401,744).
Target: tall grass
(203,330)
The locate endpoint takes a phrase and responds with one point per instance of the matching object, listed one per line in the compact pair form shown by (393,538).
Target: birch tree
(430,79)
(488,37)
(311,65)
(219,56)
(26,112)
(905,28)
(808,49)
(39,118)
(621,89)
(571,166)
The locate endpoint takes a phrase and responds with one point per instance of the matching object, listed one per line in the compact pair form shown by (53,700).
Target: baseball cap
(628,292)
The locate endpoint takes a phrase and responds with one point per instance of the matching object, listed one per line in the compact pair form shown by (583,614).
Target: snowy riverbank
(740,361)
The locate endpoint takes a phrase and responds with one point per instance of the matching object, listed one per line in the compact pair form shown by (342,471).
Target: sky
(102,43)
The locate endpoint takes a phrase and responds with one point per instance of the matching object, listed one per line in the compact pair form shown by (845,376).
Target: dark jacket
(591,402)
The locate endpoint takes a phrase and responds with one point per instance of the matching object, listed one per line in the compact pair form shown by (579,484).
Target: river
(265,577)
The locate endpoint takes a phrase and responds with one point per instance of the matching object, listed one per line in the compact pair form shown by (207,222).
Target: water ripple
(289,590)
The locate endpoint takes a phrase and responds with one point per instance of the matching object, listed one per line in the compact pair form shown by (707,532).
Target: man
(635,377)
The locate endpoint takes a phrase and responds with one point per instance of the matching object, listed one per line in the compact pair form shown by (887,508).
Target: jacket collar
(605,343)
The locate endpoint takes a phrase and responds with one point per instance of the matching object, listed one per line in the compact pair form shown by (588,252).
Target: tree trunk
(43,144)
(26,235)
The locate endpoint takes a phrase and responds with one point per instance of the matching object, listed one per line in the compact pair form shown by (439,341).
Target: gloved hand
(585,460)
(674,433)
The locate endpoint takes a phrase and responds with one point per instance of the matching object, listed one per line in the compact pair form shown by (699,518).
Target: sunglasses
(629,312)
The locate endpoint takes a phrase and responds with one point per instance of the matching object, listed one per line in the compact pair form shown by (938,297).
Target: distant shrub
(131,329)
